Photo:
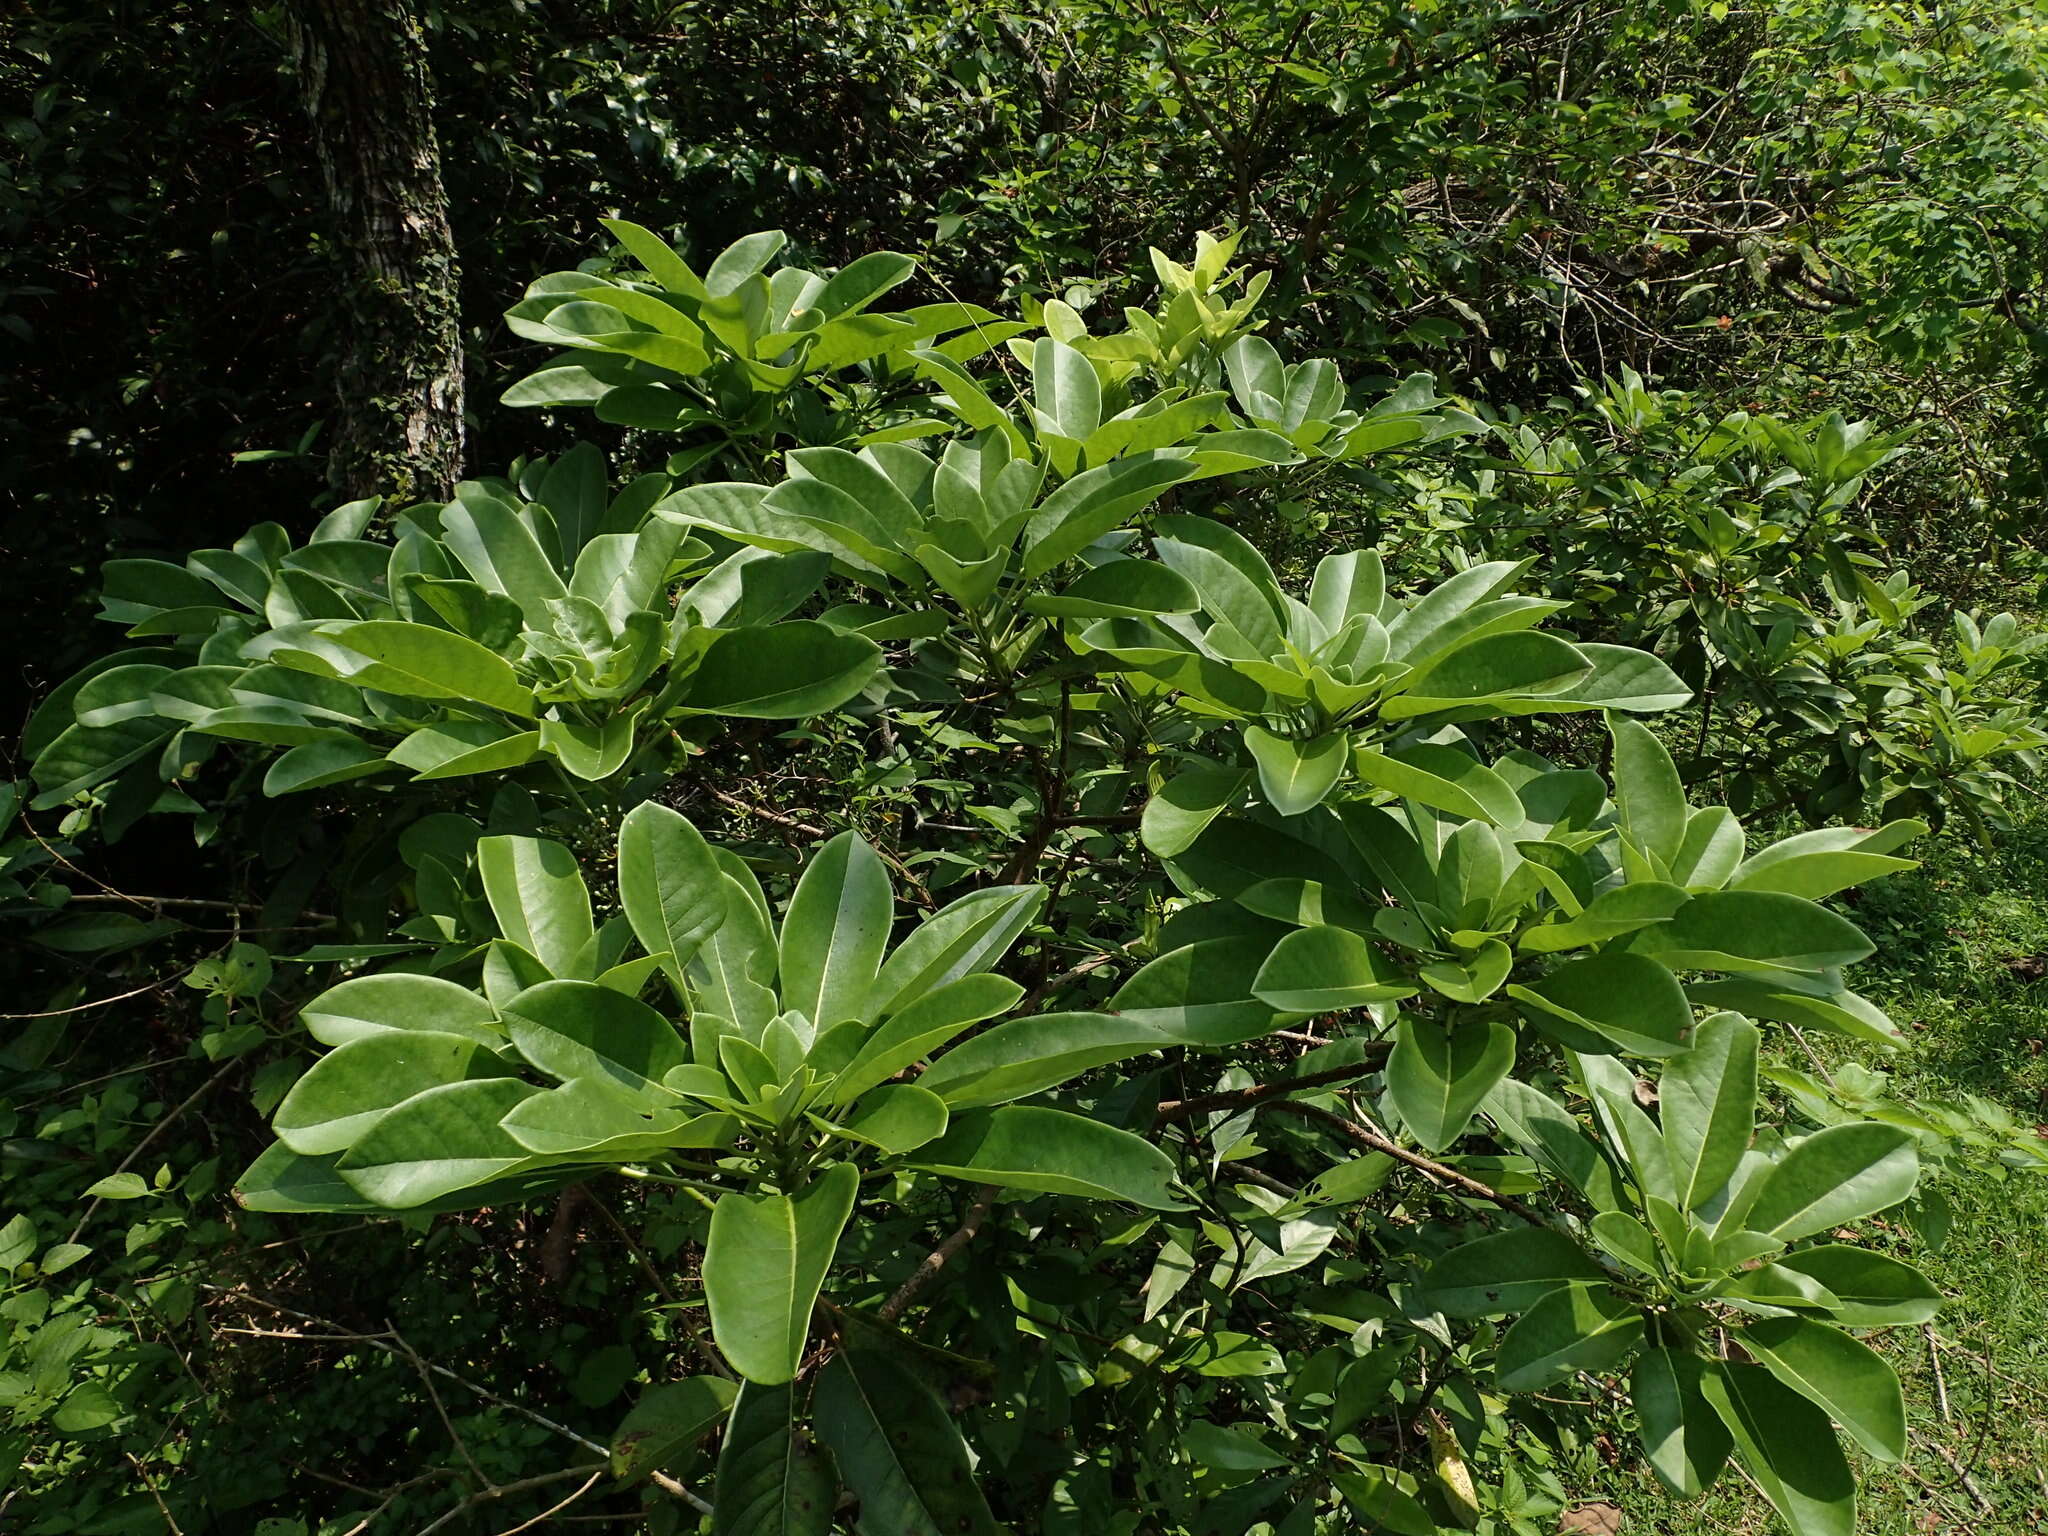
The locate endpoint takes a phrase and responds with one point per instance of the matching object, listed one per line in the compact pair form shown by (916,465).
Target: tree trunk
(362,69)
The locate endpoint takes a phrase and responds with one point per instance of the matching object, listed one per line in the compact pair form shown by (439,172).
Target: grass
(1953,941)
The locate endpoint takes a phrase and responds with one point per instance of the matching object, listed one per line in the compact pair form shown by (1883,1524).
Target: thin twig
(1399,1153)
(1248,1098)
(157,1130)
(1963,1476)
(98,1002)
(1940,1382)
(377,1341)
(928,1268)
(499,1490)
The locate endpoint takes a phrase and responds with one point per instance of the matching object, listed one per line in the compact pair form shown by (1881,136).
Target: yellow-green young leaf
(771,1480)
(1683,1438)
(1296,776)
(1574,1328)
(1506,1272)
(835,931)
(667,1419)
(1834,1176)
(1022,1147)
(1847,1378)
(764,1264)
(669,884)
(1437,1077)
(897,1448)
(1788,1446)
(1385,1498)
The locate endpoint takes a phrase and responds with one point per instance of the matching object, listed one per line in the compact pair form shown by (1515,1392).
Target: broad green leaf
(1437,1077)
(967,936)
(897,1448)
(1024,1147)
(1387,1499)
(1788,1446)
(1201,993)
(783,672)
(1444,779)
(348,1090)
(1817,864)
(668,1418)
(1836,1176)
(1574,1328)
(1858,1389)
(1325,969)
(916,1031)
(370,1004)
(1026,1056)
(1504,670)
(538,896)
(1683,1438)
(1065,389)
(1627,1001)
(1707,1105)
(764,1263)
(1624,678)
(1229,1450)
(424,663)
(287,1182)
(1297,776)
(318,764)
(1649,801)
(732,972)
(669,884)
(1540,1126)
(1092,503)
(898,1117)
(771,1480)
(1119,589)
(1872,1290)
(593,1118)
(575,1029)
(1506,1272)
(835,931)
(1762,931)
(439,1143)
(1185,805)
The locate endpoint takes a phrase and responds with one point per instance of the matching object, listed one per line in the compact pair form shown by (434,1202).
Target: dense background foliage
(1734,322)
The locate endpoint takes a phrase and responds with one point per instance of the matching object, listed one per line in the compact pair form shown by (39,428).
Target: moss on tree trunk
(363,73)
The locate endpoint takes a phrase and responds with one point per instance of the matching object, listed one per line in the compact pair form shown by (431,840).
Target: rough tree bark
(363,73)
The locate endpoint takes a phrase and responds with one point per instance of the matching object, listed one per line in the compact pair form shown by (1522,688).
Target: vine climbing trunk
(363,73)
